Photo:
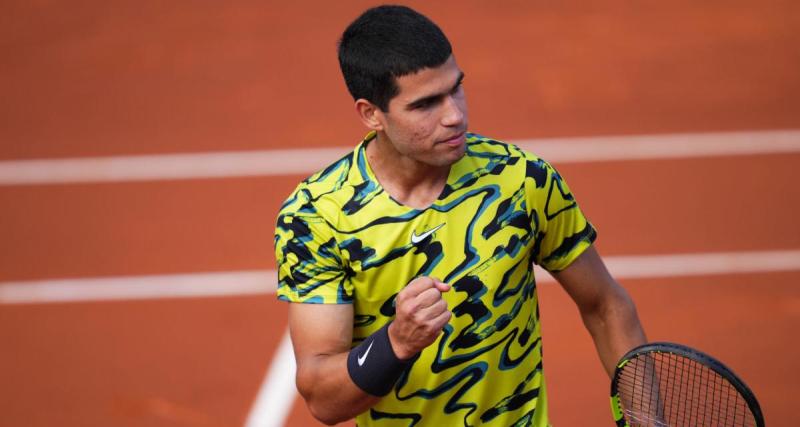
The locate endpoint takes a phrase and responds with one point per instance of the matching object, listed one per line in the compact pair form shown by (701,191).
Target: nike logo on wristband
(416,239)
(363,357)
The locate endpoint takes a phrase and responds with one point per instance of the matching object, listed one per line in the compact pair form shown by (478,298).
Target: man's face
(427,119)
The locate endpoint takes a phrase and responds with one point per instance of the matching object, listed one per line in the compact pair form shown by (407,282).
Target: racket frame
(690,353)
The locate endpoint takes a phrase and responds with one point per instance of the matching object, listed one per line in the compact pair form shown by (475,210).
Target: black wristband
(373,366)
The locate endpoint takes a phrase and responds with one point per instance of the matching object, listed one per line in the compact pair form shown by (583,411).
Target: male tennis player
(408,263)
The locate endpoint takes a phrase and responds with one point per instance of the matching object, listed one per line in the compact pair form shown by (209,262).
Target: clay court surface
(90,79)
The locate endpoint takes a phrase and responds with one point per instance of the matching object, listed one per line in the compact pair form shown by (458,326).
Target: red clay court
(145,148)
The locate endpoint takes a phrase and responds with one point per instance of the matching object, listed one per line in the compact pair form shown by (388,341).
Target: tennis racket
(670,385)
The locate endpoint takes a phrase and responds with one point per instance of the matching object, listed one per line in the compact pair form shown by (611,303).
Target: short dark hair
(386,42)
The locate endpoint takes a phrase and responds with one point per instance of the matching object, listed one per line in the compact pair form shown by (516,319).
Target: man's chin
(453,155)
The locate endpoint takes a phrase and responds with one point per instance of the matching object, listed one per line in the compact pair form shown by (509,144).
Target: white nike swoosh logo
(363,357)
(416,239)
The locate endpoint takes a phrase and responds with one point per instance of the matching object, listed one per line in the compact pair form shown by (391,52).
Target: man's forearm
(615,328)
(328,390)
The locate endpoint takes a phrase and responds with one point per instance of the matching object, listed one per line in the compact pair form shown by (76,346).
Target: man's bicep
(320,329)
(606,308)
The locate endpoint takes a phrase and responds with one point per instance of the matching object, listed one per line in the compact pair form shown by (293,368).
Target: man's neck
(407,180)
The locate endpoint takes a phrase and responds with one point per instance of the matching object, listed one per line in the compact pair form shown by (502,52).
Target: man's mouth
(454,140)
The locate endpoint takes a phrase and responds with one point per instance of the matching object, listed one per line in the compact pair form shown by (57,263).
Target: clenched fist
(421,313)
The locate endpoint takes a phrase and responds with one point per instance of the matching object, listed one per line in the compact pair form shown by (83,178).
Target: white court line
(191,285)
(681,265)
(672,146)
(305,161)
(276,396)
(262,282)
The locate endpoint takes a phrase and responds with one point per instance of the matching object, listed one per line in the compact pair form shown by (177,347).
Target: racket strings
(663,389)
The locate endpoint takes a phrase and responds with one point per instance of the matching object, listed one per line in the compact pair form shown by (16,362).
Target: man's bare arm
(606,308)
(321,336)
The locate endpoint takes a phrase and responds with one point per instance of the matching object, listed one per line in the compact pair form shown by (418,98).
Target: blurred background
(146,146)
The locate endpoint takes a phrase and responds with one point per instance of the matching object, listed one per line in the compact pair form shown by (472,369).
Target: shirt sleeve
(561,230)
(310,268)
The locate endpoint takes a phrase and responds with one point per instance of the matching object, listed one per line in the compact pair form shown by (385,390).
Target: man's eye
(428,103)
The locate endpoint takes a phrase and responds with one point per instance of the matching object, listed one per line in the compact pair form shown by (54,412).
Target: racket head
(653,370)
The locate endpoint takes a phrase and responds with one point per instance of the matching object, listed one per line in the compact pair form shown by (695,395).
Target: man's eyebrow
(436,96)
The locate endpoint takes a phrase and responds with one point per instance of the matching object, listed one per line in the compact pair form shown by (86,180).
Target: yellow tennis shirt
(341,239)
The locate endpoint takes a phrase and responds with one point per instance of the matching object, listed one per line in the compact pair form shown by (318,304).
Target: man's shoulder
(502,157)
(484,146)
(322,184)
(493,153)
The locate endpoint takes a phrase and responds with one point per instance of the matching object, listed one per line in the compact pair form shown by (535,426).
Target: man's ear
(370,114)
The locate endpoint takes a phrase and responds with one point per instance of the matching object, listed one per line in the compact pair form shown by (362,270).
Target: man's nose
(454,111)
